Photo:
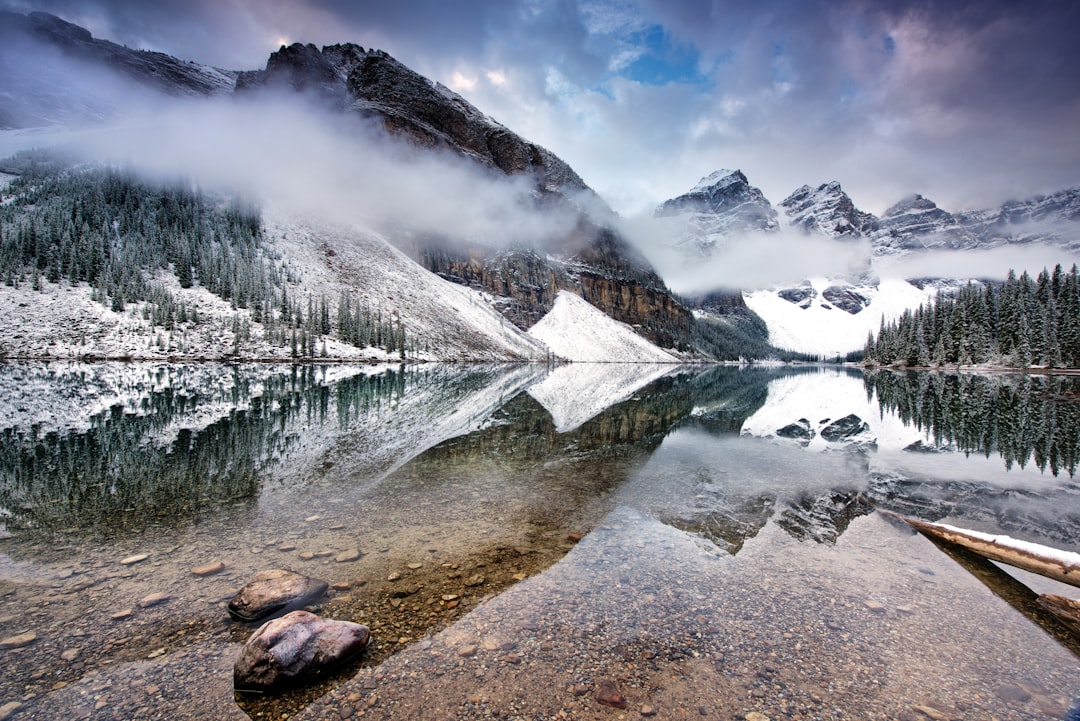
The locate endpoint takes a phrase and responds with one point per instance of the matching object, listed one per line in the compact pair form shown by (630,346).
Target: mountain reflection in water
(718,451)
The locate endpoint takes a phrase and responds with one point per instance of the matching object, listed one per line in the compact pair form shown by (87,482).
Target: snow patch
(577,331)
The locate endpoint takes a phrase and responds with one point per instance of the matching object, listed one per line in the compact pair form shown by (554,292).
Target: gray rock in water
(294,648)
(274,592)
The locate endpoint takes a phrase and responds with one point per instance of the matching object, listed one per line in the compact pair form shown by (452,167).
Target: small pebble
(208,569)
(153,600)
(18,641)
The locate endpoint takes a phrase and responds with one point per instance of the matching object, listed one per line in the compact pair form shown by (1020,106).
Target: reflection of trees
(142,466)
(1020,417)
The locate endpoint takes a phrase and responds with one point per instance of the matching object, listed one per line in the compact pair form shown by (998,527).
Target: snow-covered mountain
(55,72)
(577,331)
(48,67)
(722,204)
(829,211)
(831,316)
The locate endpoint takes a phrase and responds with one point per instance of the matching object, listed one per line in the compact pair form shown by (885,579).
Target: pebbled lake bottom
(654,541)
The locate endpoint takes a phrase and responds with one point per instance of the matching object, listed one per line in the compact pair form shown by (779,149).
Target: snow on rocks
(577,331)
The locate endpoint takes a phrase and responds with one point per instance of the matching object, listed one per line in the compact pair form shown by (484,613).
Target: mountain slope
(581,252)
(587,256)
(96,263)
(52,71)
(722,204)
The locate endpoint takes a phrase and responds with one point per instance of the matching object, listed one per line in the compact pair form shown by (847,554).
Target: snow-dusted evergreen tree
(1026,322)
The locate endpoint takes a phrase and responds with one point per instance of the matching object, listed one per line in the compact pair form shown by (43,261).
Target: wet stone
(153,600)
(9,709)
(352,554)
(131,560)
(1011,693)
(208,569)
(19,640)
(274,592)
(608,694)
(874,606)
(294,648)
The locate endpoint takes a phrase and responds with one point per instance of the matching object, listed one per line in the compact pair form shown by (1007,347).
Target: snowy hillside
(439,320)
(577,331)
(816,325)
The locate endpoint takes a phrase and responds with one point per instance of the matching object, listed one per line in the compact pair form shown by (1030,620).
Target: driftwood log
(1053,563)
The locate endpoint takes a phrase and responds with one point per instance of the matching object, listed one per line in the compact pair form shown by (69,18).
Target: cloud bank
(334,167)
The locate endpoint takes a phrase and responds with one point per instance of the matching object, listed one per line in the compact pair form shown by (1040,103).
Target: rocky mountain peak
(723,202)
(914,204)
(828,210)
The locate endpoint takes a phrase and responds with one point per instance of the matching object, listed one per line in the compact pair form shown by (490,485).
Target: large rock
(275,592)
(294,648)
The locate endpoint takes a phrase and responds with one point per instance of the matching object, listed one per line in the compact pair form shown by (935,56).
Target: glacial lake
(706,540)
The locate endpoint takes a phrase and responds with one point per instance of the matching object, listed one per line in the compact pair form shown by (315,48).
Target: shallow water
(732,559)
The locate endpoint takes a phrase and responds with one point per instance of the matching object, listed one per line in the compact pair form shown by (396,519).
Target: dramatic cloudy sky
(969,103)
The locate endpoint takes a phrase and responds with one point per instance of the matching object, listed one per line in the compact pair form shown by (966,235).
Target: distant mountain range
(724,204)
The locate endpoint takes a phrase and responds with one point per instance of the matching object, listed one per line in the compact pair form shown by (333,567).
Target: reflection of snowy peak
(827,410)
(828,210)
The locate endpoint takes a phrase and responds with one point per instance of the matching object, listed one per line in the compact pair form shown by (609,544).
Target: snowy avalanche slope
(577,331)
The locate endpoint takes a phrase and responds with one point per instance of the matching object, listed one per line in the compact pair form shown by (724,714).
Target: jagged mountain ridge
(592,260)
(724,204)
(828,210)
(831,317)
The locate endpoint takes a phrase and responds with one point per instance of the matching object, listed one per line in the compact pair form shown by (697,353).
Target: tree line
(1020,323)
(111,230)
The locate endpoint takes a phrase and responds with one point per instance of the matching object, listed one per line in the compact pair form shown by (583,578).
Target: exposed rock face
(845,298)
(828,210)
(802,296)
(274,592)
(846,429)
(800,430)
(295,648)
(917,222)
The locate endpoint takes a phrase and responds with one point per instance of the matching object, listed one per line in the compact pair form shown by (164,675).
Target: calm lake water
(704,537)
